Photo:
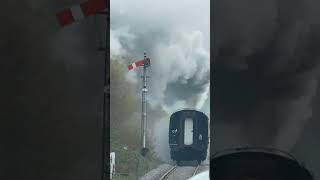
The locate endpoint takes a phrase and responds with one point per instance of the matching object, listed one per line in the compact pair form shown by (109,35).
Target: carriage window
(188,131)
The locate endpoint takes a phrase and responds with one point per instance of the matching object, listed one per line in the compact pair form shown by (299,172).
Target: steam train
(188,136)
(256,163)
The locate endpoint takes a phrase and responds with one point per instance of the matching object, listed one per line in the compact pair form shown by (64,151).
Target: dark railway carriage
(188,136)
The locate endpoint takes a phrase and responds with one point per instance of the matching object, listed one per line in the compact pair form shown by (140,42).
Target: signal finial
(145,54)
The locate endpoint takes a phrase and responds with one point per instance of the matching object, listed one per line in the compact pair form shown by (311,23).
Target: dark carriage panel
(197,149)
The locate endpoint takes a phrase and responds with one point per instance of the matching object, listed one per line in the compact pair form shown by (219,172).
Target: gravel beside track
(155,174)
(180,173)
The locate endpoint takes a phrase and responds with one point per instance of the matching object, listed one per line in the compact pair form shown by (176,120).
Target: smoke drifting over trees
(265,71)
(177,48)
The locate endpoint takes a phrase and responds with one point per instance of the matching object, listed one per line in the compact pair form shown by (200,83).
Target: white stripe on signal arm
(134,65)
(77,12)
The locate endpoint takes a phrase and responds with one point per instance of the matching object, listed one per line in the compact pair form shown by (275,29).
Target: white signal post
(112,164)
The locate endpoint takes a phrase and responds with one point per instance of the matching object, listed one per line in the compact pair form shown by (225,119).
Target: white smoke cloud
(203,98)
(176,37)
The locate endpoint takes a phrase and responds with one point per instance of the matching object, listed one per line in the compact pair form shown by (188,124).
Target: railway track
(180,172)
(195,171)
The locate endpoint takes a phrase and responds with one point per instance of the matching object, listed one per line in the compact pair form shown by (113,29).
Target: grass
(130,164)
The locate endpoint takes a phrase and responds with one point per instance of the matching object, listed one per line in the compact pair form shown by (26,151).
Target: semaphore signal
(145,63)
(80,11)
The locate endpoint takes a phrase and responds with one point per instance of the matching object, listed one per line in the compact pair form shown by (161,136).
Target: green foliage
(123,100)
(130,164)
